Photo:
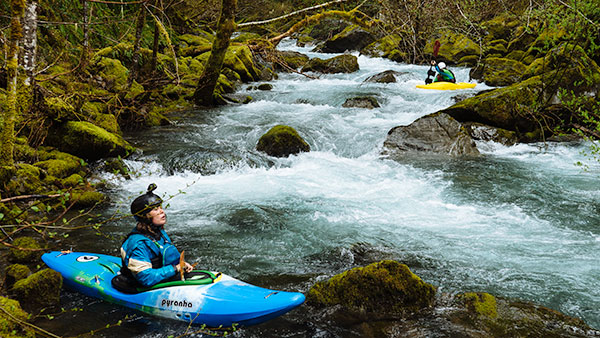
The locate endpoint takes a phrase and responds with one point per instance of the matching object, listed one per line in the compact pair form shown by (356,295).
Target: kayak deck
(447,85)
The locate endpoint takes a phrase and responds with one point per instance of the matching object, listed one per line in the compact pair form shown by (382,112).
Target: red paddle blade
(436,48)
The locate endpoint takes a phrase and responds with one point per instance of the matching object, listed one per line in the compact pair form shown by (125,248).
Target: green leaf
(35,208)
(1,216)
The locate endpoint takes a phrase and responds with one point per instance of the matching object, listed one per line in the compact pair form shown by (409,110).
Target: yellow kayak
(447,85)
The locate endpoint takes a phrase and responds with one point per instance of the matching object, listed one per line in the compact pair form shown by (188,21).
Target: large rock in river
(352,38)
(40,289)
(345,63)
(282,141)
(377,290)
(435,133)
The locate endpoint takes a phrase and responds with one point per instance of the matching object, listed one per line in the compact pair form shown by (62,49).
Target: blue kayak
(218,300)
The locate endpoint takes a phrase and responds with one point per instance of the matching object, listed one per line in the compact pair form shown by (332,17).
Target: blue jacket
(446,74)
(150,261)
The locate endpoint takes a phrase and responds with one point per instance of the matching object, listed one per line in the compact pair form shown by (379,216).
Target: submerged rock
(388,76)
(282,141)
(435,133)
(368,102)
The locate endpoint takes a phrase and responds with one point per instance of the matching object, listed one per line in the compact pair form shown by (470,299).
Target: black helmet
(144,203)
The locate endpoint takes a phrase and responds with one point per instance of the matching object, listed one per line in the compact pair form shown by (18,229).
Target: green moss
(386,286)
(281,141)
(14,273)
(8,327)
(59,168)
(386,47)
(41,288)
(24,256)
(91,142)
(72,180)
(482,304)
(345,63)
(86,199)
(239,59)
(26,180)
(60,109)
(113,72)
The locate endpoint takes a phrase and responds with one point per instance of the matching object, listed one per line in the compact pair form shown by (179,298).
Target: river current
(520,222)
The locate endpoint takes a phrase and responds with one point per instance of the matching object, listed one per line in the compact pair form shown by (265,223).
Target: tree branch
(255,23)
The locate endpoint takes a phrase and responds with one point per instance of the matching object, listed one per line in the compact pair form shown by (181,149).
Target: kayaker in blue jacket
(148,255)
(443,73)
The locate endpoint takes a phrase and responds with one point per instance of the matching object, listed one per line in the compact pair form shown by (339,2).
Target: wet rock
(264,86)
(482,132)
(340,64)
(282,141)
(453,47)
(367,102)
(435,133)
(40,289)
(9,328)
(376,291)
(290,60)
(353,38)
(388,76)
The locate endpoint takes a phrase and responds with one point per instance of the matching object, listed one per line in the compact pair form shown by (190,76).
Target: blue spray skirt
(222,302)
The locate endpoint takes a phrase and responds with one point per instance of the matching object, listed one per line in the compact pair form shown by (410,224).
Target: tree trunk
(205,92)
(30,41)
(135,59)
(7,134)
(85,52)
(155,44)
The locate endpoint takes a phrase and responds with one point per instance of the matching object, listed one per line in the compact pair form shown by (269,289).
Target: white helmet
(442,65)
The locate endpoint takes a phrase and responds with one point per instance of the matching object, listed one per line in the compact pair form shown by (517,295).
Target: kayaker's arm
(141,267)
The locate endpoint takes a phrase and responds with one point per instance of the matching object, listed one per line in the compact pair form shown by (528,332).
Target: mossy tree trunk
(205,92)
(30,41)
(155,42)
(7,122)
(135,59)
(85,52)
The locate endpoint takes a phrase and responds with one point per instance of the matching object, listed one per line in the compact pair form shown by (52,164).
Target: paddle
(182,265)
(436,48)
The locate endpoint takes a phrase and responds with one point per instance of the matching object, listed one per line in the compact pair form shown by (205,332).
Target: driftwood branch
(587,130)
(256,23)
(27,197)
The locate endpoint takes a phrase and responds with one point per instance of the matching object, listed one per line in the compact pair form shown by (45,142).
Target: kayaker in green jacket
(443,73)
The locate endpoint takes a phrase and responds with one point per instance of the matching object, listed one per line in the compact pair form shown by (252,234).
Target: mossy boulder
(26,250)
(239,59)
(9,328)
(26,179)
(500,27)
(14,273)
(480,303)
(291,59)
(499,72)
(377,290)
(352,38)
(282,141)
(59,109)
(89,141)
(453,47)
(86,199)
(340,64)
(40,289)
(386,47)
(59,164)
(72,181)
(112,72)
(566,69)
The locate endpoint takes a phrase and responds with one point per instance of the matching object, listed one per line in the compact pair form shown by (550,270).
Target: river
(519,222)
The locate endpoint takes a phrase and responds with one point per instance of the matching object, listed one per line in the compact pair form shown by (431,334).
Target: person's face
(158,216)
